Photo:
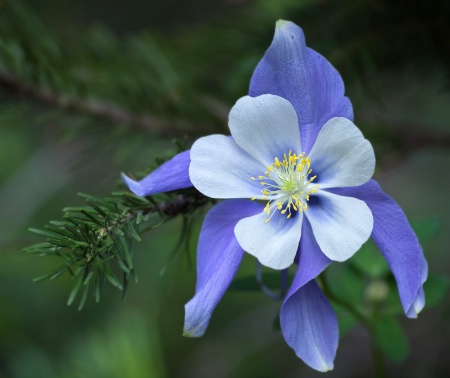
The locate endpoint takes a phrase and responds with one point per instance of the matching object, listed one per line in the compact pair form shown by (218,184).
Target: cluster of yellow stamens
(287,184)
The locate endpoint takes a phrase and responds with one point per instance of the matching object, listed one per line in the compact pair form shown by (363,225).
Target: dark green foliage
(102,78)
(426,229)
(69,75)
(436,289)
(391,338)
(370,261)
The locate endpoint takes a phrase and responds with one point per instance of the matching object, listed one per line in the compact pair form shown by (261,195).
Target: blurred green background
(186,63)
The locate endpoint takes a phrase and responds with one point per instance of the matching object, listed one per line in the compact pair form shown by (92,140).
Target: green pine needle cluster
(97,242)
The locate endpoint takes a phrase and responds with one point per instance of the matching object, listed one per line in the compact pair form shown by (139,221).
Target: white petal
(265,126)
(221,169)
(340,224)
(273,243)
(341,156)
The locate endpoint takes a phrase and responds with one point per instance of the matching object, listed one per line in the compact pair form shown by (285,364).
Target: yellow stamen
(287,185)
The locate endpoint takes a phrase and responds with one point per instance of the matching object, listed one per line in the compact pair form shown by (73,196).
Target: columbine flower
(295,149)
(265,161)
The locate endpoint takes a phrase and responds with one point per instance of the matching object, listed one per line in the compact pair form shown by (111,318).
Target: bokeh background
(187,62)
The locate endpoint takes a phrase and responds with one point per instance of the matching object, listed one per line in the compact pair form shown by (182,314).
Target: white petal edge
(266,127)
(341,157)
(341,225)
(221,169)
(273,243)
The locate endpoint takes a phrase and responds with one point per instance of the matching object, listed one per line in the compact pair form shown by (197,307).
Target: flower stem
(378,360)
(367,319)
(355,311)
(266,290)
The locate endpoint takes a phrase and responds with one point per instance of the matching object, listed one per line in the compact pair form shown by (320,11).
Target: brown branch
(410,138)
(407,139)
(100,109)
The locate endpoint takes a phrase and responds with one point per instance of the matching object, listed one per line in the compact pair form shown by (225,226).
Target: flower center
(287,184)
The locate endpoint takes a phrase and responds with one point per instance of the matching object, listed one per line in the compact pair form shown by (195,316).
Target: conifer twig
(100,109)
(96,242)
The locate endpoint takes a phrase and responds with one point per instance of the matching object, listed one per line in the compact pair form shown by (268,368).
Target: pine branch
(97,240)
(412,138)
(100,109)
(403,140)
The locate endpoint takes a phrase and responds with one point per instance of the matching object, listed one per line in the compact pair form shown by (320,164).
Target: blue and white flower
(265,161)
(296,179)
